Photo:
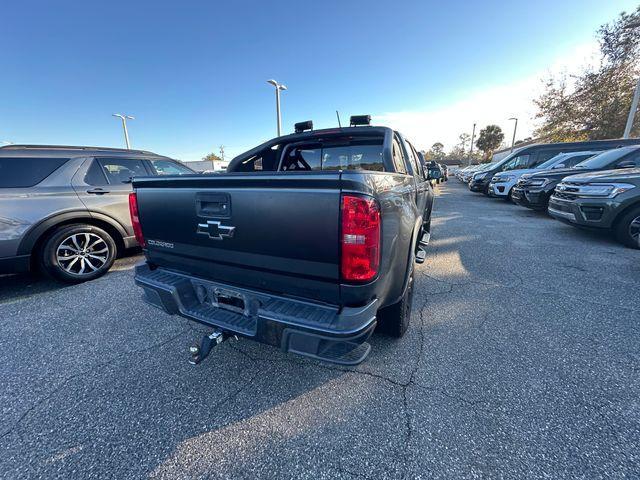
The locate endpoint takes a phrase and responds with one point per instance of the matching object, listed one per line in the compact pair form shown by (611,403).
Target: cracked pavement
(521,361)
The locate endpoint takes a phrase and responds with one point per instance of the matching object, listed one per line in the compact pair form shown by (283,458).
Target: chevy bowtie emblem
(215,230)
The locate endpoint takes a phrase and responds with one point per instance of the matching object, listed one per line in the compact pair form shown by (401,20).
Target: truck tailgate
(274,232)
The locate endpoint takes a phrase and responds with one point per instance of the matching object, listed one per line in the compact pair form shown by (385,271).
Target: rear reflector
(360,238)
(135,219)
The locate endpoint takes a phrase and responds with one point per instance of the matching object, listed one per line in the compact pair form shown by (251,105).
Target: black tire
(394,319)
(77,253)
(627,229)
(509,197)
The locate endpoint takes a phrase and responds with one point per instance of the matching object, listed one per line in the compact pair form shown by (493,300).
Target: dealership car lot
(521,361)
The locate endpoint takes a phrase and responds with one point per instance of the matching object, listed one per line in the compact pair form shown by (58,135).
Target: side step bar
(421,254)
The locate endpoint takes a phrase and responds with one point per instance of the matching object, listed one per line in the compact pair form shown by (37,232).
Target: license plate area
(219,297)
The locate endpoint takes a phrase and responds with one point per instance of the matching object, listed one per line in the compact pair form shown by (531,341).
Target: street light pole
(124,119)
(515,127)
(473,136)
(278,87)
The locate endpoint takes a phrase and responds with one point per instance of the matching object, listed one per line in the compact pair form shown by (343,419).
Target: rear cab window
(334,153)
(24,172)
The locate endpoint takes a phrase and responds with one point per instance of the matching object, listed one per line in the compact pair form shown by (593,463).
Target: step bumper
(319,331)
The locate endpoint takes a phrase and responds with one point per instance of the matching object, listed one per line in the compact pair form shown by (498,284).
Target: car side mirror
(627,164)
(560,165)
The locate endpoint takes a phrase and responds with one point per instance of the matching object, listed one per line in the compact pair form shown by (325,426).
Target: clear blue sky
(193,73)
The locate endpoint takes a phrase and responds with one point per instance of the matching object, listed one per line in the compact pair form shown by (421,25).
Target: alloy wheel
(634,229)
(82,253)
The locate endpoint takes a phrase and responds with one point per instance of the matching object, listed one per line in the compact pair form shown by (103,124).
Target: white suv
(502,182)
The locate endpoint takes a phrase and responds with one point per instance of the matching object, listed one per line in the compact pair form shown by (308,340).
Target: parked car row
(593,185)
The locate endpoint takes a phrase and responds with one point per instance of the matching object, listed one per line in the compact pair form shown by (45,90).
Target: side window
(122,170)
(545,155)
(398,157)
(576,159)
(167,167)
(417,161)
(95,175)
(521,161)
(411,158)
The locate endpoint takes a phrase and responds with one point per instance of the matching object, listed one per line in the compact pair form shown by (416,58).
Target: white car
(502,182)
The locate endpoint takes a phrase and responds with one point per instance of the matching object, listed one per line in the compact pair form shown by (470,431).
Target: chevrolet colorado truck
(307,243)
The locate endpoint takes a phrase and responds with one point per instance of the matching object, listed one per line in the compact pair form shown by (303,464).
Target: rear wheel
(77,253)
(394,319)
(627,229)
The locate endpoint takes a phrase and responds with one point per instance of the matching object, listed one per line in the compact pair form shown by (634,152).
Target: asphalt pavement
(522,361)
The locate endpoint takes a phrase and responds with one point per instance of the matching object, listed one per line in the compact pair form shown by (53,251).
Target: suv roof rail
(72,147)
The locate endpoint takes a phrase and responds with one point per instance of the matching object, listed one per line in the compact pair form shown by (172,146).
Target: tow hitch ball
(202,351)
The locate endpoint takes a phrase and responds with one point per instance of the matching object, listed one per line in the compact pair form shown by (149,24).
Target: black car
(533,155)
(535,190)
(605,200)
(306,243)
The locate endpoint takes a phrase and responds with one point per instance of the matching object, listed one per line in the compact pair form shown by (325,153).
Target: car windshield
(604,159)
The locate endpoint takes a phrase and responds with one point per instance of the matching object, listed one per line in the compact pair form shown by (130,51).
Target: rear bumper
(311,329)
(19,264)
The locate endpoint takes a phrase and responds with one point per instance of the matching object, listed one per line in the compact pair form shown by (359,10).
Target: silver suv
(65,210)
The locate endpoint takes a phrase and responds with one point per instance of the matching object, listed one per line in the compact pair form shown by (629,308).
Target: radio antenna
(338,115)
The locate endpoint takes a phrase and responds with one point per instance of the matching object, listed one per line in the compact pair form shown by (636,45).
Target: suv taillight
(360,238)
(135,219)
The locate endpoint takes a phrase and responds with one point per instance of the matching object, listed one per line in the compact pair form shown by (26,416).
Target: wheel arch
(37,235)
(623,212)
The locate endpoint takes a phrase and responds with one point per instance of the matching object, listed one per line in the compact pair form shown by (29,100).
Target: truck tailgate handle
(216,205)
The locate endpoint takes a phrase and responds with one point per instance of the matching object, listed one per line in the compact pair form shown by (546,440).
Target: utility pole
(278,87)
(124,119)
(222,152)
(473,136)
(515,127)
(636,93)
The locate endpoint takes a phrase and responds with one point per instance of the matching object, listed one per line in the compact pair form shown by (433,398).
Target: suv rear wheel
(628,228)
(77,253)
(394,319)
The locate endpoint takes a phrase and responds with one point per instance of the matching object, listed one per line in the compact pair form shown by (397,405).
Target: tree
(464,140)
(212,157)
(436,152)
(598,102)
(489,139)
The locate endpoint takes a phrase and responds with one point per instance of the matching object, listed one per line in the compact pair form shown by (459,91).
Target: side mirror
(434,174)
(627,164)
(560,165)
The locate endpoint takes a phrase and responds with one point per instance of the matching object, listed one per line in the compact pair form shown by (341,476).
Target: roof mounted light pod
(360,120)
(302,126)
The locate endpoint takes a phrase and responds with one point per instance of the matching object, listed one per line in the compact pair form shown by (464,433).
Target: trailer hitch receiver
(202,350)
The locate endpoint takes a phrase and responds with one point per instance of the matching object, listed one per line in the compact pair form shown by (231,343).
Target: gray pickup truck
(307,243)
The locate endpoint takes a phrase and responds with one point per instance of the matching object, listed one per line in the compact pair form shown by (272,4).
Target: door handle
(97,191)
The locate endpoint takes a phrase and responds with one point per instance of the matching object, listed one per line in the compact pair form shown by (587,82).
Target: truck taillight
(135,219)
(360,238)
